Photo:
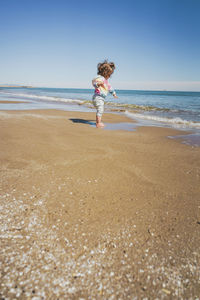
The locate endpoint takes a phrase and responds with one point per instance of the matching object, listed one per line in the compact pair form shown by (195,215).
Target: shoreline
(188,136)
(147,109)
(89,213)
(11,102)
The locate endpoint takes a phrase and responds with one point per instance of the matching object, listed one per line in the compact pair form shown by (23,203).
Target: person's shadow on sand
(82,121)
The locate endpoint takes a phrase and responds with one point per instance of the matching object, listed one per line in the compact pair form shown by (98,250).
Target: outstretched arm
(112,91)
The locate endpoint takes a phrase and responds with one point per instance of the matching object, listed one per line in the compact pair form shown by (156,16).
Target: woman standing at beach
(102,88)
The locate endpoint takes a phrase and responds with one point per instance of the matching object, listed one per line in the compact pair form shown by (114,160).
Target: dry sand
(96,214)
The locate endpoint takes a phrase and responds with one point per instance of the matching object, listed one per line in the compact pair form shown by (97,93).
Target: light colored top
(99,90)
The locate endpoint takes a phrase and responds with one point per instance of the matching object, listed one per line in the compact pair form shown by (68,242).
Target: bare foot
(100,125)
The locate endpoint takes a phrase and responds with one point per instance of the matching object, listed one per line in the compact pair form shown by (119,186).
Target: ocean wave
(119,106)
(138,107)
(177,121)
(89,102)
(47,98)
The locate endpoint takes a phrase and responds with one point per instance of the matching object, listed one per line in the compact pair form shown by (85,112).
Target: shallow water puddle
(190,139)
(118,126)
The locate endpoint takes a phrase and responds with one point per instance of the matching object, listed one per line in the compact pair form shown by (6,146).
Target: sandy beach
(96,214)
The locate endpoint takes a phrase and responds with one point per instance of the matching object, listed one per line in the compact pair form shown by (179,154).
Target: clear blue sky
(154,43)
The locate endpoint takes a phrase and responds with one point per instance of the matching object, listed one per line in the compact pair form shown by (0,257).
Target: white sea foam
(177,121)
(47,98)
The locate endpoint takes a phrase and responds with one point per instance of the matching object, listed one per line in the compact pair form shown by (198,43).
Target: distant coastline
(18,86)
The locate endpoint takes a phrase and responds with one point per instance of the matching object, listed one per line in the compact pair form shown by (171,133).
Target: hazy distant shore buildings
(13,85)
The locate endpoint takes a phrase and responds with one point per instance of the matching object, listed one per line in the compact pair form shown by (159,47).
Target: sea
(174,109)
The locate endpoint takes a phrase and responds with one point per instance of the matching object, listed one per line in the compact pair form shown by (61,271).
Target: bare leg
(99,124)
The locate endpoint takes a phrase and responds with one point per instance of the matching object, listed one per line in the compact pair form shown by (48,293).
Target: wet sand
(11,102)
(96,214)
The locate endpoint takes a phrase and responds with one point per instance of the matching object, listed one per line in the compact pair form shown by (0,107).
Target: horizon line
(50,87)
